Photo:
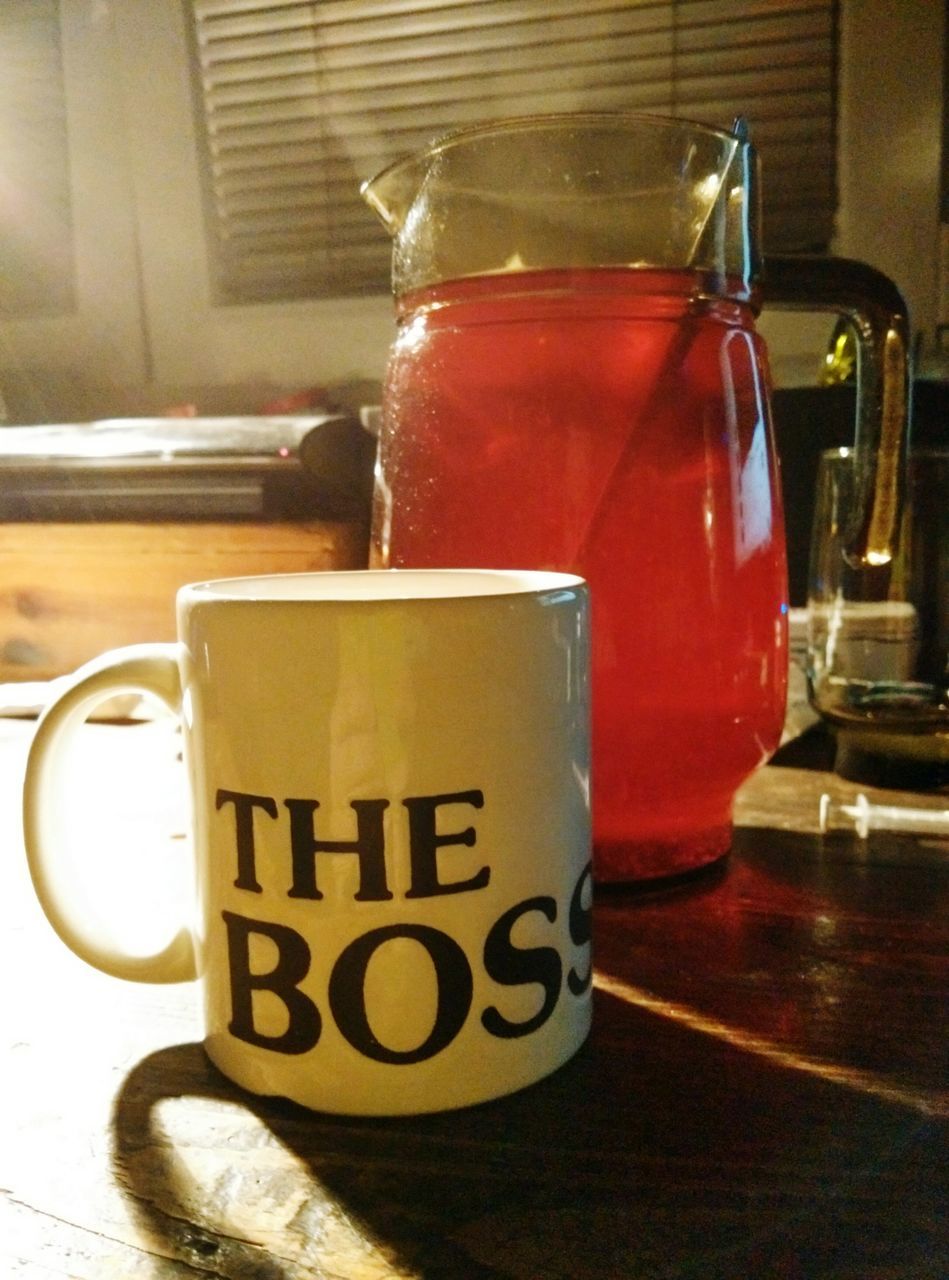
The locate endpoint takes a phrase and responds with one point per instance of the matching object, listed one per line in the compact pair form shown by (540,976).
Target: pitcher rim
(552,120)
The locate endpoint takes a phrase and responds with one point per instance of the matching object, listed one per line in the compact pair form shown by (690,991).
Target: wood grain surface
(763,1095)
(70,591)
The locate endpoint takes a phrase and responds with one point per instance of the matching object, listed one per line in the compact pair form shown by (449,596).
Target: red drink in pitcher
(613,422)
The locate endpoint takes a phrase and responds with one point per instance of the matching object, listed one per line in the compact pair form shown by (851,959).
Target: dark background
(808,420)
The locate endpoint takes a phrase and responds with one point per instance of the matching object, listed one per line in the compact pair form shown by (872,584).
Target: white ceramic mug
(390,797)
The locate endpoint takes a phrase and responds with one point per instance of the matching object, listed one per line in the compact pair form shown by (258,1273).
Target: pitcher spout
(391,193)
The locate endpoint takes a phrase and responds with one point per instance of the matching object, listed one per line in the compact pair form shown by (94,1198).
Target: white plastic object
(862,816)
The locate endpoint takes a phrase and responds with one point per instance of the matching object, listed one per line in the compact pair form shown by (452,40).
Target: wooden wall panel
(70,591)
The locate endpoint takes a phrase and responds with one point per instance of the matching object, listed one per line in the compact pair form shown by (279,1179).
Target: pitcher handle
(876,309)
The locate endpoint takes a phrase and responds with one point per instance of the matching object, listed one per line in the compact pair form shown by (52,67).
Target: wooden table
(763,1096)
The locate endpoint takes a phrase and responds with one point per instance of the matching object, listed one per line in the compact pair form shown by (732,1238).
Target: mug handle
(144,668)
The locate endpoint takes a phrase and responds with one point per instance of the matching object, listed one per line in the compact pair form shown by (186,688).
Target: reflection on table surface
(764,1093)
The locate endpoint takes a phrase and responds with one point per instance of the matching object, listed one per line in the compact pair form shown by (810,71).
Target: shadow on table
(657,1152)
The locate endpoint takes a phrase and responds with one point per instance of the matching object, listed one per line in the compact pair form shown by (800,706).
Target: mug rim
(380,586)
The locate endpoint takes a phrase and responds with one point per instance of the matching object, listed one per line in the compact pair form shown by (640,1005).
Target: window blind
(298,103)
(36,254)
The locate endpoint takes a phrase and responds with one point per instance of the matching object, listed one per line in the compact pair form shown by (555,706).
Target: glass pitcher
(577,383)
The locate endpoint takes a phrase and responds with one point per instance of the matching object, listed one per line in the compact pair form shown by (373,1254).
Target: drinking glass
(878,635)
